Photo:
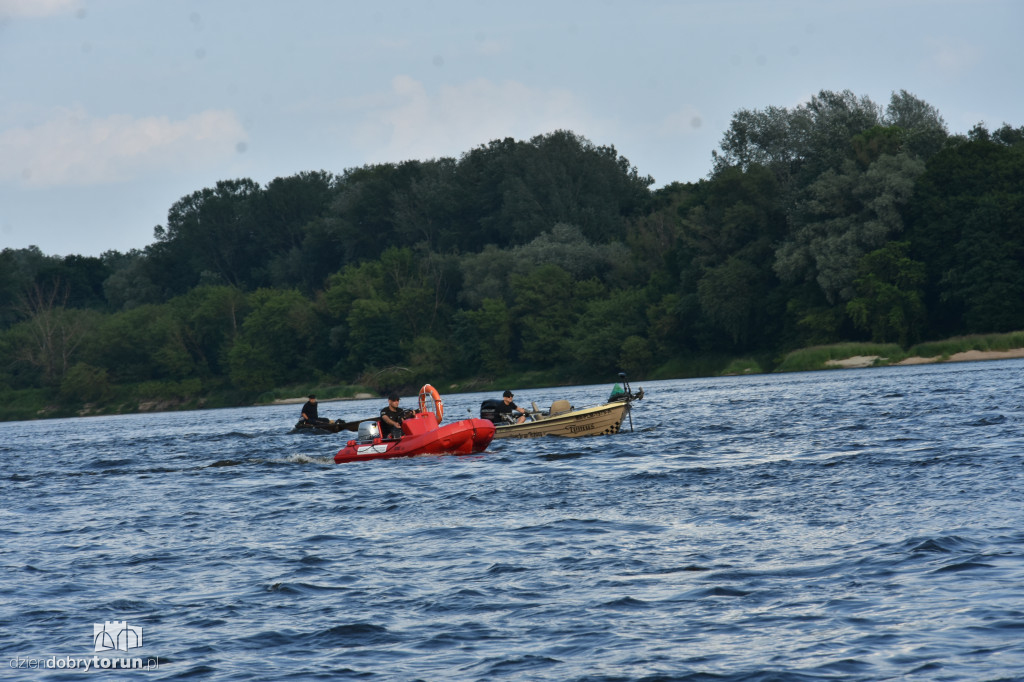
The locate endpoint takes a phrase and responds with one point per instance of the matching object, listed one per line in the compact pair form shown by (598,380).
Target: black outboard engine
(489,410)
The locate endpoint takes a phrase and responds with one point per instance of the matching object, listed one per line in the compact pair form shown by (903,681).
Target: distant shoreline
(859,361)
(838,356)
(302,400)
(853,362)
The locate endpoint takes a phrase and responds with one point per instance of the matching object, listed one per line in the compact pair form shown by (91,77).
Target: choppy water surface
(854,525)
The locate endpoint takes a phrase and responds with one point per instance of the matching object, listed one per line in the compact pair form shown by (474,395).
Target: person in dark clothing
(309,414)
(391,417)
(507,407)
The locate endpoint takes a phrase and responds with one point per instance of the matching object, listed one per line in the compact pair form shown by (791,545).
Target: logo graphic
(116,635)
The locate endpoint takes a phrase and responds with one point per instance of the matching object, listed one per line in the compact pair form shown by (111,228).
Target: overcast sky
(112,110)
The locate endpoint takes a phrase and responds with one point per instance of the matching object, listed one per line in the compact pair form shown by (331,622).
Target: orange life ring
(435,397)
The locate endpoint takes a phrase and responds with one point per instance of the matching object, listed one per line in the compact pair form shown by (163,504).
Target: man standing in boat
(507,407)
(391,417)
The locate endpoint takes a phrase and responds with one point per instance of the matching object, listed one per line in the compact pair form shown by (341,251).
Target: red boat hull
(422,436)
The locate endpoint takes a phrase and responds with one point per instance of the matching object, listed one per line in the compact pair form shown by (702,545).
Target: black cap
(312,397)
(392,396)
(507,394)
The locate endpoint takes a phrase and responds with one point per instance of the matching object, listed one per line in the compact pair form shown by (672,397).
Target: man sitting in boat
(391,417)
(309,414)
(507,407)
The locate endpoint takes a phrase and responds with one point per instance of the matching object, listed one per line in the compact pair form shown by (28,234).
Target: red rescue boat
(422,434)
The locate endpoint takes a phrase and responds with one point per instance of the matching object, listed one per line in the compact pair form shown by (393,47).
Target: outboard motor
(489,410)
(368,431)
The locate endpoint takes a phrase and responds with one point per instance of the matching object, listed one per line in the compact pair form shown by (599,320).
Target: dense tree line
(835,220)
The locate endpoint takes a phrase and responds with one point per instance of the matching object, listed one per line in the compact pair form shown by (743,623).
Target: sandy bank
(855,361)
(303,399)
(966,356)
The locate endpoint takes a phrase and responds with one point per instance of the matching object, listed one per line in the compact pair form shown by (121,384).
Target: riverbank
(301,400)
(858,361)
(28,404)
(973,348)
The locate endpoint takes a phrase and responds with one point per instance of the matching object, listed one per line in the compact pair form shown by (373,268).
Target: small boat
(326,426)
(564,420)
(422,434)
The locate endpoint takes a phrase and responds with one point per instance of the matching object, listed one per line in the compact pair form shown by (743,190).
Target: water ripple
(844,525)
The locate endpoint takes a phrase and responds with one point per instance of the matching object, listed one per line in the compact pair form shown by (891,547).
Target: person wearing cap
(391,417)
(507,407)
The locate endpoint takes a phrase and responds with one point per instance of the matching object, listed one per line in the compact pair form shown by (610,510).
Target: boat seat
(559,406)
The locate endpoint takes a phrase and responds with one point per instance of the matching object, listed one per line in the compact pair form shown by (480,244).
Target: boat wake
(300,458)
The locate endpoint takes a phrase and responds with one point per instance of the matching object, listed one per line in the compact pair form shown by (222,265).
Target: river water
(844,525)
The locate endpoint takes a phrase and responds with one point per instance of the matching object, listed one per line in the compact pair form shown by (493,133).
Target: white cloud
(953,58)
(73,149)
(37,8)
(417,124)
(684,121)
(489,47)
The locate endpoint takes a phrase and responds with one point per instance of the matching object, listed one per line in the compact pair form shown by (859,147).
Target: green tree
(986,279)
(426,207)
(730,296)
(797,145)
(51,334)
(965,225)
(130,284)
(653,241)
(845,215)
(363,208)
(666,324)
(279,339)
(21,275)
(211,319)
(209,231)
(485,276)
(924,132)
(889,302)
(728,232)
(601,331)
(141,344)
(252,368)
(517,190)
(483,337)
(375,306)
(374,335)
(635,356)
(429,358)
(563,246)
(282,214)
(542,313)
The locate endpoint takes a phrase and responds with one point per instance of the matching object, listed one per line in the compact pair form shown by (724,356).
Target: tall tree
(525,188)
(924,130)
(210,231)
(541,314)
(729,231)
(889,302)
(51,333)
(845,214)
(799,144)
(279,341)
(282,214)
(482,338)
(967,226)
(363,208)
